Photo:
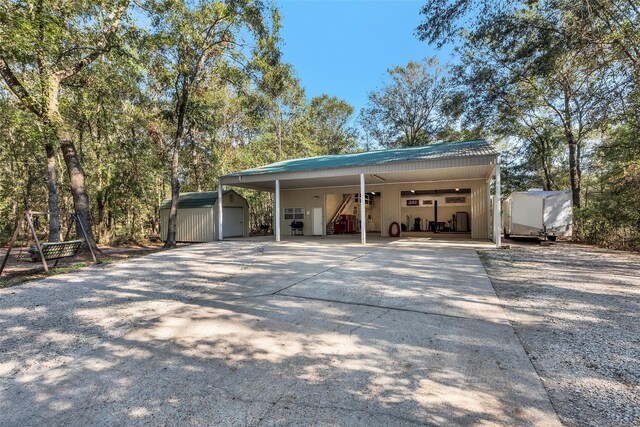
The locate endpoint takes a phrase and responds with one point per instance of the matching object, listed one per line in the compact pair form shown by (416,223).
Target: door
(317,222)
(232,222)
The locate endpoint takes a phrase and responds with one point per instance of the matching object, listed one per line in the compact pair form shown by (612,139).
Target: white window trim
(297,214)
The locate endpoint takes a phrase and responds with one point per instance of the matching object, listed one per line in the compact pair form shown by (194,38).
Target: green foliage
(328,122)
(21,157)
(558,82)
(245,108)
(611,216)
(409,110)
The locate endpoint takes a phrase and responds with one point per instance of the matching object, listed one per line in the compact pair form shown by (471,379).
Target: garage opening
(436,211)
(344,213)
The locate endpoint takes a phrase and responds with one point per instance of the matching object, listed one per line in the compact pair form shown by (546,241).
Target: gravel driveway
(576,309)
(310,332)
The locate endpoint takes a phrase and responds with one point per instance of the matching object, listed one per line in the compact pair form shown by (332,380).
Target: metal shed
(198,216)
(312,190)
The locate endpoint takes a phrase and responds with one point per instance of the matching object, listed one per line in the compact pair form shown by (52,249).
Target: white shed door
(232,222)
(317,221)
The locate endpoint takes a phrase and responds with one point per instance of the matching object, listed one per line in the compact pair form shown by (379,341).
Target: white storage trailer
(198,216)
(538,213)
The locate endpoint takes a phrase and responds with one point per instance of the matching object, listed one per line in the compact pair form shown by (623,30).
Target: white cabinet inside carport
(232,222)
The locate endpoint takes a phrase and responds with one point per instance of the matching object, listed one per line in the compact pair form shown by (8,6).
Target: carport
(425,189)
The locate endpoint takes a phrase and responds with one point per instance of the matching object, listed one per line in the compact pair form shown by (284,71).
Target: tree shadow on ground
(202,335)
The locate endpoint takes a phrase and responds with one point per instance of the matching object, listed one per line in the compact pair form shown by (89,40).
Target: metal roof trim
(190,200)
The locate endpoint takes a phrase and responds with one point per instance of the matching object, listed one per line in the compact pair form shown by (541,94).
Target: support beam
(86,238)
(35,237)
(363,214)
(11,243)
(220,191)
(488,204)
(497,211)
(276,211)
(435,216)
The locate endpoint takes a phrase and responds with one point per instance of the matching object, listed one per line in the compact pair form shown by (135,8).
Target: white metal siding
(193,225)
(201,224)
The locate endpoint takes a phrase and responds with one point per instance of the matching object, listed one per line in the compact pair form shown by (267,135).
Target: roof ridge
(376,151)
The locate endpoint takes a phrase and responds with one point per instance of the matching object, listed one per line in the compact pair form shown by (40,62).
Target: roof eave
(380,168)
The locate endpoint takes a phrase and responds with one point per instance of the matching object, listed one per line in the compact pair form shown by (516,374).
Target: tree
(243,109)
(521,65)
(329,125)
(407,111)
(195,39)
(611,215)
(50,42)
(610,28)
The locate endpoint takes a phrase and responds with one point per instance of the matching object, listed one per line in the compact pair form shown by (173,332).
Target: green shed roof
(202,199)
(477,147)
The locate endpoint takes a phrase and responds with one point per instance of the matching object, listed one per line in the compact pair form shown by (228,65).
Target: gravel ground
(576,310)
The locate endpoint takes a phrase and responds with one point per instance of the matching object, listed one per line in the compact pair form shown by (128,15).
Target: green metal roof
(477,147)
(202,199)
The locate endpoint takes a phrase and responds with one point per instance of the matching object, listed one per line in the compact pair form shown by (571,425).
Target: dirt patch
(17,272)
(576,310)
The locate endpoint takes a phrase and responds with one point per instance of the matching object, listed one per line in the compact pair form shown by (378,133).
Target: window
(368,199)
(294,213)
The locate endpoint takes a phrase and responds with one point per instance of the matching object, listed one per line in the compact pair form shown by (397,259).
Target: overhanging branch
(17,88)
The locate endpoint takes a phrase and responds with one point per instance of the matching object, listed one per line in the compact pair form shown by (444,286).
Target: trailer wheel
(552,238)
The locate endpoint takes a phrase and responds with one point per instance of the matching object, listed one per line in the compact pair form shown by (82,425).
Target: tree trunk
(195,158)
(574,162)
(546,168)
(175,184)
(101,206)
(175,197)
(77,183)
(52,187)
(548,185)
(82,207)
(574,176)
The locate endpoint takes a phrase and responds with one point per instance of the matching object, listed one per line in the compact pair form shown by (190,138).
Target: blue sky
(344,47)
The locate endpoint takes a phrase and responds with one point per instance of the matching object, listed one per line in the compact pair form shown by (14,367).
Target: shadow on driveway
(245,333)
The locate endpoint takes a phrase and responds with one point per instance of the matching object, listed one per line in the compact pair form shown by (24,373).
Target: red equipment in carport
(345,224)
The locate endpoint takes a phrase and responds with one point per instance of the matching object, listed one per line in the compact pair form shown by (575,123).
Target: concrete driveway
(319,332)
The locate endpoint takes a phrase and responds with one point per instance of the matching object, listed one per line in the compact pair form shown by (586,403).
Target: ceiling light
(457,189)
(413,191)
(373,193)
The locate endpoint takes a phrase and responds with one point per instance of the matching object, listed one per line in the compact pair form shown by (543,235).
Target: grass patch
(64,269)
(37,272)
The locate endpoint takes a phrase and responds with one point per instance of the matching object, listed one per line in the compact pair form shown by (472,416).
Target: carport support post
(497,220)
(363,222)
(488,202)
(277,211)
(220,234)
